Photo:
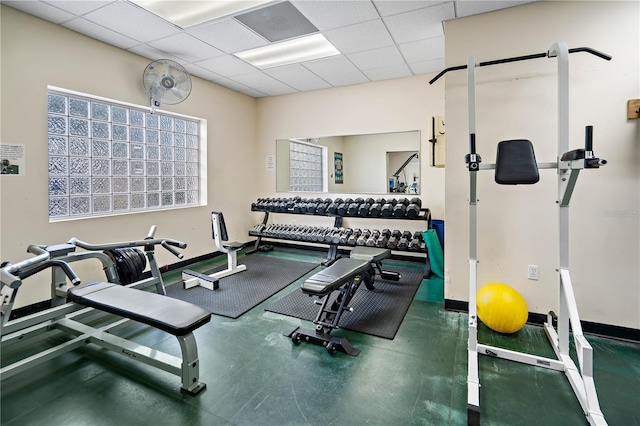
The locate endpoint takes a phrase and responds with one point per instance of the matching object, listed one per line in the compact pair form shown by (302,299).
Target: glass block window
(305,167)
(109,158)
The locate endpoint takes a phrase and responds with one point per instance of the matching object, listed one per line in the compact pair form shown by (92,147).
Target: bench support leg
(190,365)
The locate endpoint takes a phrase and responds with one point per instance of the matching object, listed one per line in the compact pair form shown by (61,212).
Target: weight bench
(173,316)
(193,279)
(345,276)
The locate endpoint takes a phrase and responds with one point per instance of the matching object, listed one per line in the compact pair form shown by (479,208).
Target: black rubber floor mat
(377,314)
(264,277)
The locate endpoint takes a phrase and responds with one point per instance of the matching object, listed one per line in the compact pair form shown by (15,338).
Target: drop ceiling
(377,40)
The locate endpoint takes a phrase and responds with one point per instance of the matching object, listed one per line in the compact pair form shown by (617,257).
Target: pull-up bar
(521,58)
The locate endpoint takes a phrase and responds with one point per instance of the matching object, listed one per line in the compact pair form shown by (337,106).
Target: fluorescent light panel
(289,52)
(187,13)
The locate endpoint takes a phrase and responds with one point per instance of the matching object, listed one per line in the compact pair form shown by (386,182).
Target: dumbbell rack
(424,215)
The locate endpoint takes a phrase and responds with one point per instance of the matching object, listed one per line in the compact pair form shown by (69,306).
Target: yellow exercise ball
(501,308)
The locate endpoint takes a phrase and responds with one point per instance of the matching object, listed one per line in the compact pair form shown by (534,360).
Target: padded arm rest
(165,313)
(334,276)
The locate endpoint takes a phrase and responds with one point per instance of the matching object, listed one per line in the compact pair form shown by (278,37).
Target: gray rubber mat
(377,314)
(264,277)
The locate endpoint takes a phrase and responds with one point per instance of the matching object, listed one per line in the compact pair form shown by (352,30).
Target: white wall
(36,53)
(518,225)
(386,106)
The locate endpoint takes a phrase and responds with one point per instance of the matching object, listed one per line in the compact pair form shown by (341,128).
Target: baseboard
(604,330)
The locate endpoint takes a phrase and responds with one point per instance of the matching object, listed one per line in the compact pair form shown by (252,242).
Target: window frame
(201,161)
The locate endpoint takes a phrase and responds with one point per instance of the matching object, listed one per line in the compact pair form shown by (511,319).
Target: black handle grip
(171,250)
(588,138)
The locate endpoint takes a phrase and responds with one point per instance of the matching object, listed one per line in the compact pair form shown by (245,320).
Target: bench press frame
(328,319)
(67,316)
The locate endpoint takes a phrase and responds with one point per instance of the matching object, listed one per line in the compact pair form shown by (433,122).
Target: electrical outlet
(533,272)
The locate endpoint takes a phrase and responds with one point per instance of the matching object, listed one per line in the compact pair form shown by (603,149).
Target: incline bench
(345,276)
(165,313)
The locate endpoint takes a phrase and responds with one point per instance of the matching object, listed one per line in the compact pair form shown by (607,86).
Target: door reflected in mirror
(379,163)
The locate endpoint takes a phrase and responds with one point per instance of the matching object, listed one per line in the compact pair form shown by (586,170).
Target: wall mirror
(379,163)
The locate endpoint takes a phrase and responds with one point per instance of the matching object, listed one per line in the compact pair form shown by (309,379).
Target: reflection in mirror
(364,164)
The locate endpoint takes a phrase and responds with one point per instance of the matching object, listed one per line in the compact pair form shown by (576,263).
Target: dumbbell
(413,210)
(363,210)
(297,206)
(318,236)
(352,210)
(373,239)
(344,236)
(383,239)
(342,208)
(353,238)
(330,233)
(333,207)
(416,240)
(393,239)
(400,209)
(403,242)
(362,238)
(387,208)
(323,206)
(310,206)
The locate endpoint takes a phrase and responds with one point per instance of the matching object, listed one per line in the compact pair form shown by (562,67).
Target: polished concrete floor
(255,376)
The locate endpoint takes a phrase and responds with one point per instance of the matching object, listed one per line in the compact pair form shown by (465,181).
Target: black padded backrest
(516,163)
(223,228)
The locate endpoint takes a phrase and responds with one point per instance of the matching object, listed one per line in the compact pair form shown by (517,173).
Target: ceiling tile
(153,53)
(387,73)
(132,21)
(394,7)
(298,77)
(227,66)
(326,15)
(467,8)
(347,79)
(423,50)
(377,58)
(78,8)
(419,24)
(230,84)
(98,32)
(307,85)
(435,65)
(202,73)
(359,37)
(41,10)
(254,93)
(264,83)
(186,47)
(330,66)
(228,35)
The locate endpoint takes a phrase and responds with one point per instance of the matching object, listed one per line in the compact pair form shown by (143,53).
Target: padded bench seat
(372,254)
(331,278)
(165,313)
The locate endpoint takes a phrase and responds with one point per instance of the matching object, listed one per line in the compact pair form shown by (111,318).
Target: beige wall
(518,225)
(379,107)
(35,54)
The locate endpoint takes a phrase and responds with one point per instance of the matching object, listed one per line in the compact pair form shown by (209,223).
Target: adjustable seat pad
(165,313)
(371,254)
(331,278)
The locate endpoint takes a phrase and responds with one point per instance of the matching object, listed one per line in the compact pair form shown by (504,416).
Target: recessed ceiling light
(289,52)
(187,13)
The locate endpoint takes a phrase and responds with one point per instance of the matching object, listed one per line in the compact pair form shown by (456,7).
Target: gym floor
(256,376)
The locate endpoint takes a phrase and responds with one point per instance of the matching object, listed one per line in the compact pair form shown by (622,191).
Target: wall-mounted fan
(166,81)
